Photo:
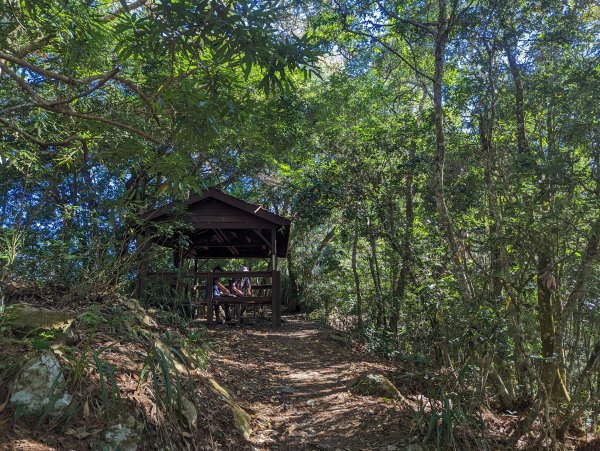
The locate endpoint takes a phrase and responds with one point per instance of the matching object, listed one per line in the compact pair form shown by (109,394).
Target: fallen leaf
(79,433)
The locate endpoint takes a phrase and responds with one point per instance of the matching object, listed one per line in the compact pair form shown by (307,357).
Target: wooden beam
(246,300)
(261,236)
(255,252)
(228,245)
(220,235)
(200,223)
(205,275)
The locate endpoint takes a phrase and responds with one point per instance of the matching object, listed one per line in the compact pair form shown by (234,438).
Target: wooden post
(195,290)
(275,299)
(179,263)
(142,282)
(273,249)
(209,293)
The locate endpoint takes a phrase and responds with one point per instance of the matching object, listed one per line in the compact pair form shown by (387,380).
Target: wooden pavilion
(215,225)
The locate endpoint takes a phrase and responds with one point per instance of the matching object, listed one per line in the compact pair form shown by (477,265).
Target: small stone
(340,339)
(392,448)
(287,390)
(124,435)
(189,412)
(72,337)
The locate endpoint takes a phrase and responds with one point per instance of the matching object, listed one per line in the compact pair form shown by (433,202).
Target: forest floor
(294,382)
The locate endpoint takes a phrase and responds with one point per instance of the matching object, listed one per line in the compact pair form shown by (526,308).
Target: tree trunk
(407,238)
(545,284)
(575,411)
(507,399)
(496,249)
(459,267)
(293,304)
(374,267)
(357,280)
(92,203)
(515,72)
(296,277)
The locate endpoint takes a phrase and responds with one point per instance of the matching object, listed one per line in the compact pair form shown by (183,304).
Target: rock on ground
(340,339)
(139,312)
(124,434)
(189,412)
(40,388)
(374,384)
(241,418)
(24,318)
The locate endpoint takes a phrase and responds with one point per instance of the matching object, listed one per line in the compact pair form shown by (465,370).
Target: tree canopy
(440,162)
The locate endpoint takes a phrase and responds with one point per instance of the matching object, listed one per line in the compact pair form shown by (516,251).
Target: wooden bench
(189,281)
(238,302)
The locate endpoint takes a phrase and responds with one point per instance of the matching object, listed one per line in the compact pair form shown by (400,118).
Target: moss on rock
(241,418)
(24,318)
(374,385)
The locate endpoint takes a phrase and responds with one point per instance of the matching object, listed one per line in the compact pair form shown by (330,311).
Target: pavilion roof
(218,225)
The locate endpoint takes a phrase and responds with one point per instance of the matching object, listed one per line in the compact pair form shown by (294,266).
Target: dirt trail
(293,381)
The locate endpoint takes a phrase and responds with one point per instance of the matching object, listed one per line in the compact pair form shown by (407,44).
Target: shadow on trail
(293,381)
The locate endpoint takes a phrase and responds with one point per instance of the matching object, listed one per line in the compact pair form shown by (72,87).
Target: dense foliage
(441,166)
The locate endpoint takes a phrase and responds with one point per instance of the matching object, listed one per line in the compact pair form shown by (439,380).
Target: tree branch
(394,52)
(396,17)
(591,253)
(131,85)
(39,142)
(41,42)
(104,77)
(125,9)
(23,84)
(91,117)
(33,46)
(48,73)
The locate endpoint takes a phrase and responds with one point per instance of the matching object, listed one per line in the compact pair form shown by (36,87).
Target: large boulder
(24,318)
(40,388)
(374,384)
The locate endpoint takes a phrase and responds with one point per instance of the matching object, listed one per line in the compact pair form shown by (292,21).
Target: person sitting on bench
(218,291)
(241,285)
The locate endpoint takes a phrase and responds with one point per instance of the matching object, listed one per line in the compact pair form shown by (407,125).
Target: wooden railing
(206,288)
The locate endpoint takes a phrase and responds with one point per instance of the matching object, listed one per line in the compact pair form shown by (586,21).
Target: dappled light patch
(296,385)
(133,379)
